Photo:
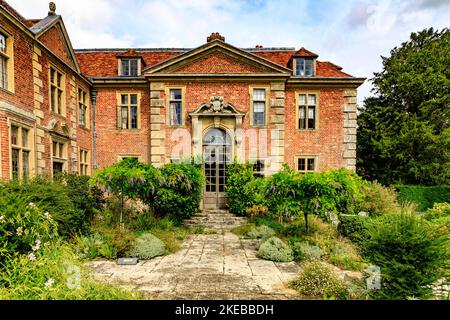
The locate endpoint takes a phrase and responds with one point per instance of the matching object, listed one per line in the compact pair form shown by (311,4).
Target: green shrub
(240,194)
(24,227)
(274,249)
(88,247)
(55,274)
(306,251)
(353,227)
(318,280)
(259,232)
(439,210)
(425,197)
(379,200)
(69,200)
(346,256)
(148,246)
(411,252)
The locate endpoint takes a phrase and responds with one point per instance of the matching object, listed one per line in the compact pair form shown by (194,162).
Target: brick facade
(215,69)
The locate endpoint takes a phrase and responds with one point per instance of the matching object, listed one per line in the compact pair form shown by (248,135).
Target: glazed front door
(217,156)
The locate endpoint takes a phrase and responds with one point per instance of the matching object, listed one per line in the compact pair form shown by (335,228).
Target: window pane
(59,79)
(311,118)
(311,166)
(134,68)
(133,99)
(52,98)
(124,117)
(59,101)
(259,94)
(302,118)
(134,119)
(125,67)
(259,106)
(175,94)
(300,67)
(302,99)
(25,163)
(258,169)
(311,99)
(61,151)
(175,113)
(124,99)
(301,165)
(55,149)
(24,138)
(308,67)
(14,135)
(2,43)
(3,75)
(52,75)
(57,167)
(15,163)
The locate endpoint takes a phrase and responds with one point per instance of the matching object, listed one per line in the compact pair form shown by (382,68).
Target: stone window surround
(9,55)
(30,148)
(64,159)
(119,105)
(317,109)
(62,88)
(88,107)
(84,153)
(267,104)
(307,156)
(183,105)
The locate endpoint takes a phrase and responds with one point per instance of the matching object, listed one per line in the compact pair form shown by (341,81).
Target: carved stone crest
(216,104)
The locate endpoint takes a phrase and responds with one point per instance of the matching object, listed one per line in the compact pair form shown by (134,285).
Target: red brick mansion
(77,110)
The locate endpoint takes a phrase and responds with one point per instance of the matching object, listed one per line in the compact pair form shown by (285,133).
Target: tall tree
(404,130)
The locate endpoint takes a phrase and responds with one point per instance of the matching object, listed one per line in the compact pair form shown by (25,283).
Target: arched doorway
(217,153)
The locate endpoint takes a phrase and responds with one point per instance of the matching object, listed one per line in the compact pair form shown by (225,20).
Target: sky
(351,33)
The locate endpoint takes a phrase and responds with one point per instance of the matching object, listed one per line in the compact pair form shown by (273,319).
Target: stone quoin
(71,110)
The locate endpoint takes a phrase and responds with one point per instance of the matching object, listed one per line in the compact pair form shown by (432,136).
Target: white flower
(47,215)
(36,246)
(31,204)
(19,231)
(2,219)
(50,282)
(32,257)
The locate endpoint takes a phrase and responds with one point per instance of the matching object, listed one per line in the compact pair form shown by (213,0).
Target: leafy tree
(404,131)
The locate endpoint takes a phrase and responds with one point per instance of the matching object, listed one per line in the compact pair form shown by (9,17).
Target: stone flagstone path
(208,266)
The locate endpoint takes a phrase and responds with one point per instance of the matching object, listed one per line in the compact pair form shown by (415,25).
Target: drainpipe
(94,129)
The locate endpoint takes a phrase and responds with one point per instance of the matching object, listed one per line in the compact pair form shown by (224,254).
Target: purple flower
(293,193)
(273,189)
(131,183)
(109,189)
(103,188)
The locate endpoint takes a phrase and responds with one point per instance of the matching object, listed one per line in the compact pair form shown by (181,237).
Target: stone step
(215,220)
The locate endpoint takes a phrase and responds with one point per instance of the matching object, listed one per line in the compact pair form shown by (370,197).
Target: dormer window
(304,67)
(130,67)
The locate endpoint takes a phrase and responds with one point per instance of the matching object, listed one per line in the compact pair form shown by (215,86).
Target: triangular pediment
(217,57)
(52,33)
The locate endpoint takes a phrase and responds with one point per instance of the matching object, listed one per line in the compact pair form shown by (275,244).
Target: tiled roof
(103,62)
(305,53)
(44,23)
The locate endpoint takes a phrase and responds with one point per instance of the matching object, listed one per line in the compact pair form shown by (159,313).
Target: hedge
(425,197)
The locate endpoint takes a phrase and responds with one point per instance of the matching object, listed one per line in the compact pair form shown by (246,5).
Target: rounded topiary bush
(147,246)
(274,249)
(261,232)
(319,280)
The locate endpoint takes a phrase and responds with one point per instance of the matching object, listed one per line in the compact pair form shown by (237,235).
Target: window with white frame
(307,111)
(56,91)
(128,116)
(82,108)
(4,58)
(259,107)
(176,107)
(21,147)
(59,157)
(129,67)
(306,164)
(258,168)
(304,67)
(84,161)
